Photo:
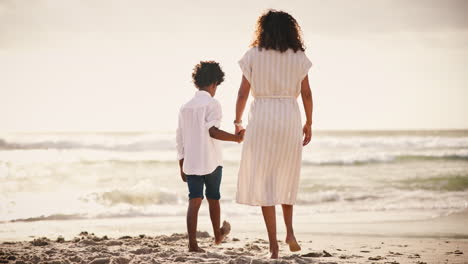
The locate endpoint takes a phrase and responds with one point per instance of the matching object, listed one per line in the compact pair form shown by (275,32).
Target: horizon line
(173,130)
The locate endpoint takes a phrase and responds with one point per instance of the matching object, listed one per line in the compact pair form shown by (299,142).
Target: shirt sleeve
(214,115)
(245,64)
(180,139)
(305,66)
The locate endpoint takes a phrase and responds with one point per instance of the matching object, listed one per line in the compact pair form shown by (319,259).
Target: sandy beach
(89,248)
(152,240)
(123,241)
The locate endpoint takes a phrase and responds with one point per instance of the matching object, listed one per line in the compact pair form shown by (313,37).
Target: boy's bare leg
(215,214)
(192,219)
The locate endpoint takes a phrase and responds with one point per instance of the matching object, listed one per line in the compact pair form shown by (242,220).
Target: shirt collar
(202,93)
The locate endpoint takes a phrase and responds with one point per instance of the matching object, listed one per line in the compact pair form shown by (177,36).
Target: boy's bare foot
(196,249)
(223,232)
(293,245)
(274,251)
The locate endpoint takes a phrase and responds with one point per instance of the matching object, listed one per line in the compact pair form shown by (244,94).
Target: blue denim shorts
(212,182)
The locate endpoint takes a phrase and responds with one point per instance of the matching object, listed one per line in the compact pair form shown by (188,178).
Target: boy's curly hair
(278,30)
(206,73)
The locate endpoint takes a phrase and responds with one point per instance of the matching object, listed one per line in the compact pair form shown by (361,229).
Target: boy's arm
(180,148)
(182,174)
(180,139)
(214,121)
(219,134)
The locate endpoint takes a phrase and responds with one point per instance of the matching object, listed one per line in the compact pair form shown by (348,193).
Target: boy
(199,151)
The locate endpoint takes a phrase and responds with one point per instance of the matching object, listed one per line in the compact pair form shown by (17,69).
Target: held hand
(307,131)
(182,175)
(238,129)
(241,135)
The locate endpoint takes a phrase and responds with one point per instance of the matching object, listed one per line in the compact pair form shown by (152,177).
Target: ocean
(50,179)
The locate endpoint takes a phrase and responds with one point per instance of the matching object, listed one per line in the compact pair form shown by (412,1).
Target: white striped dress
(272,149)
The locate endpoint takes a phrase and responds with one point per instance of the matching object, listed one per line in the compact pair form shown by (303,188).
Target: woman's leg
(269,216)
(290,238)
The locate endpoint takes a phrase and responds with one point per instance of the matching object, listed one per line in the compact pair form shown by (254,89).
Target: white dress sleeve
(245,64)
(305,66)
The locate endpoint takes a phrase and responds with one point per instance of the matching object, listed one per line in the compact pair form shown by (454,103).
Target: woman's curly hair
(206,73)
(278,30)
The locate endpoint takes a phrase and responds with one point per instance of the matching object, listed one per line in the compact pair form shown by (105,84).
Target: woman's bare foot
(196,249)
(223,232)
(293,245)
(274,250)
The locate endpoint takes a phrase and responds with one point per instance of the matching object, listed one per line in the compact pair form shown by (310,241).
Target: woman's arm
(306,95)
(242,96)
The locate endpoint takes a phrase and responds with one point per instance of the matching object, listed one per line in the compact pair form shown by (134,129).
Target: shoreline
(451,228)
(443,227)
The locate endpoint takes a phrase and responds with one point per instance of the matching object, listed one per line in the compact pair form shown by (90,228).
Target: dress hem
(260,204)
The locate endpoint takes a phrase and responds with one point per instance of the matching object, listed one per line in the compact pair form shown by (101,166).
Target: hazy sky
(126,65)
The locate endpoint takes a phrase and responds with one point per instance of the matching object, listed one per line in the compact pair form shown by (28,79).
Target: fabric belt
(274,96)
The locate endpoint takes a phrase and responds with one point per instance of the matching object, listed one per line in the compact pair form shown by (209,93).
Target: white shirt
(201,153)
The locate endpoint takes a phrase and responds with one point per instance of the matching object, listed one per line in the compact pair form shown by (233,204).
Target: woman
(275,71)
